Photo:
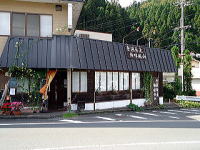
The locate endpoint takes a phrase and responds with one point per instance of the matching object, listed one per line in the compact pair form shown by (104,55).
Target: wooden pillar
(69,86)
(130,87)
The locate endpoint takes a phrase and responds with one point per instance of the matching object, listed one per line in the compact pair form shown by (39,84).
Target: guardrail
(188,98)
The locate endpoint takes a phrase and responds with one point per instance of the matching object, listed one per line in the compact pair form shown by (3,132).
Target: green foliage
(70,115)
(135,107)
(148,86)
(157,19)
(188,104)
(169,92)
(187,71)
(23,73)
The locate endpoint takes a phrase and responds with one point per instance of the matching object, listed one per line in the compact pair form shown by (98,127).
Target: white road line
(120,145)
(164,112)
(118,115)
(137,117)
(185,112)
(105,118)
(98,122)
(72,121)
(150,114)
(173,117)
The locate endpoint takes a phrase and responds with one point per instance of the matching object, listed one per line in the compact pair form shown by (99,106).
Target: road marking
(150,114)
(72,121)
(105,118)
(173,117)
(164,112)
(99,122)
(185,112)
(137,117)
(119,145)
(118,115)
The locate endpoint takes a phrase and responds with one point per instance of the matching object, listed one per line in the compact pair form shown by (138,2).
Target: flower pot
(17,113)
(7,112)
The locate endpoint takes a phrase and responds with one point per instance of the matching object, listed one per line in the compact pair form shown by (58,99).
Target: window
(86,36)
(100,81)
(79,82)
(109,81)
(46,26)
(5,23)
(33,25)
(135,81)
(18,24)
(115,81)
(21,24)
(123,81)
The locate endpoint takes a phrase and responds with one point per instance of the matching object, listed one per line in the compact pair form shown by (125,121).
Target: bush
(135,107)
(169,92)
(189,93)
(188,104)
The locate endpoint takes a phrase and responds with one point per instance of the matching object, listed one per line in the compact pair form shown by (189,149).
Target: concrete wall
(59,17)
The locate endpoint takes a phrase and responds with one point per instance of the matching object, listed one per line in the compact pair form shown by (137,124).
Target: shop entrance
(58,92)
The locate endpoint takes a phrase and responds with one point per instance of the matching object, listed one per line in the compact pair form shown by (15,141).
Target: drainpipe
(70,16)
(131,89)
(69,86)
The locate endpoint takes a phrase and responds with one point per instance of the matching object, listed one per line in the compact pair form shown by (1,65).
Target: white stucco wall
(110,104)
(95,35)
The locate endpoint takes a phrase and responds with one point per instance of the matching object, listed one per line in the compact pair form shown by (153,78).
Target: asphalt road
(152,130)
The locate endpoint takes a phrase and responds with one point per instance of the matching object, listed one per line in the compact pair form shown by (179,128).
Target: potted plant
(16,108)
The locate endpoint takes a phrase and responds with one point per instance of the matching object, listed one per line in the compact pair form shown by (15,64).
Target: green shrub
(189,93)
(169,92)
(135,107)
(70,115)
(188,104)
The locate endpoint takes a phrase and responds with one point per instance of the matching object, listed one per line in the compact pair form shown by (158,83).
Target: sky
(126,3)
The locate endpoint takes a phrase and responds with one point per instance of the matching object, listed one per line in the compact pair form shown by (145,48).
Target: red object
(198,93)
(7,98)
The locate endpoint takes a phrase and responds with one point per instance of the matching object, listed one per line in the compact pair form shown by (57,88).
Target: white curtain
(121,81)
(135,81)
(46,25)
(75,82)
(115,81)
(109,83)
(103,81)
(97,80)
(83,81)
(4,23)
(126,81)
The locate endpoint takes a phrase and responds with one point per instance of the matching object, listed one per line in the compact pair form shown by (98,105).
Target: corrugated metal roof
(64,52)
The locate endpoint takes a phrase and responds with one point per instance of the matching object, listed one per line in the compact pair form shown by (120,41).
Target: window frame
(118,75)
(26,14)
(9,22)
(136,81)
(79,82)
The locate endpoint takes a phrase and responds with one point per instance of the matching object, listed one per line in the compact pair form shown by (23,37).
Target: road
(151,130)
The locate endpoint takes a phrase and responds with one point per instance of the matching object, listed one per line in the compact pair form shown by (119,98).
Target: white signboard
(12,91)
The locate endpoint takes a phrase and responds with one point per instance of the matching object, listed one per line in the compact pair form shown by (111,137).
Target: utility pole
(182,27)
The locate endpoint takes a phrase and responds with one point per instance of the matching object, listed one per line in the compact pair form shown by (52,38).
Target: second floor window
(21,24)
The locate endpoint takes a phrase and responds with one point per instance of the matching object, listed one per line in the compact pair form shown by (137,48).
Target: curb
(51,116)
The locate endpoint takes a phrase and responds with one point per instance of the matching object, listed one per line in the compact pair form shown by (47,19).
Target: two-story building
(87,73)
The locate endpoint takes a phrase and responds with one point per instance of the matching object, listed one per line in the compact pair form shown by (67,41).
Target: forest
(154,20)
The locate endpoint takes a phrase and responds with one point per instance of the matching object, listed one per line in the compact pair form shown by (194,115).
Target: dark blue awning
(69,52)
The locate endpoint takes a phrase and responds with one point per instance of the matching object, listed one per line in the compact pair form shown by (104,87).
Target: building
(88,74)
(169,77)
(94,35)
(196,76)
